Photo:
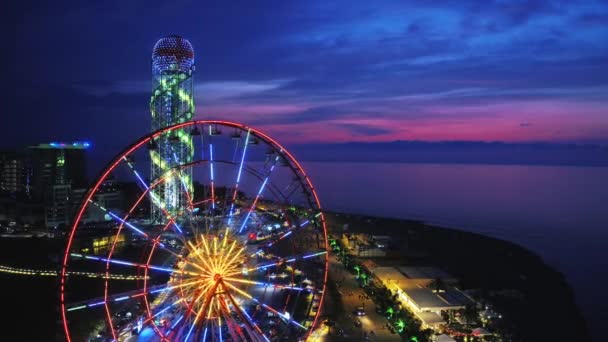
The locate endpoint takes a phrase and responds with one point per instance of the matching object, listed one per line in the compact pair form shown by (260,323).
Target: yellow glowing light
(219,261)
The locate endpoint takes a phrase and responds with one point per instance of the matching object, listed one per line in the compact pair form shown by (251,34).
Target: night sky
(318,71)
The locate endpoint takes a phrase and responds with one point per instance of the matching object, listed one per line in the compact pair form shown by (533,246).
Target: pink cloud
(542,121)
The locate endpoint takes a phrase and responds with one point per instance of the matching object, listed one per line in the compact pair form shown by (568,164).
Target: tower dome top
(172,53)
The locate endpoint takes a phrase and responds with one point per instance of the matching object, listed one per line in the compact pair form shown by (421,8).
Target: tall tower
(172,102)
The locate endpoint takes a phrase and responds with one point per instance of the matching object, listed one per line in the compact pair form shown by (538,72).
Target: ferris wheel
(227,243)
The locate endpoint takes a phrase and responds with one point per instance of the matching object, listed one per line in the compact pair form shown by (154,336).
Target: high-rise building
(172,102)
(57,169)
(14,174)
(57,164)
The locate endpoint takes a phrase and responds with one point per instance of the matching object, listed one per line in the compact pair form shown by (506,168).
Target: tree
(364,277)
(400,325)
(357,268)
(389,312)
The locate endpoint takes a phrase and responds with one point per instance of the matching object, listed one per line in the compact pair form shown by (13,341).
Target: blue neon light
(126,263)
(312,255)
(127,223)
(238,178)
(211,168)
(245,221)
(163,310)
(189,332)
(263,185)
(176,322)
(161,269)
(141,180)
(220,330)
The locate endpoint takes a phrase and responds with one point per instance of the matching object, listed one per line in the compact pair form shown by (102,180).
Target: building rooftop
(424,272)
(426,300)
(415,292)
(430,318)
(444,338)
(455,297)
(79,145)
(390,275)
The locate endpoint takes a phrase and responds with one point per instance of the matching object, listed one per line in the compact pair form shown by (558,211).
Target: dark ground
(535,300)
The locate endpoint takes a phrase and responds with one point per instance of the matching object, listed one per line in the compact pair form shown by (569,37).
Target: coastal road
(352,296)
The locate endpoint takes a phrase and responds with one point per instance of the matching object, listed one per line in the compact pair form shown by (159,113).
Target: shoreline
(532,294)
(515,279)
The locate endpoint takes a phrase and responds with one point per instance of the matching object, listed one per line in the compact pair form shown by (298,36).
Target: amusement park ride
(204,273)
(226,239)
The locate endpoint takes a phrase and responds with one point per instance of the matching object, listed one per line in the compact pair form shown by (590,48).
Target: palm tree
(390,312)
(358,269)
(400,325)
(364,277)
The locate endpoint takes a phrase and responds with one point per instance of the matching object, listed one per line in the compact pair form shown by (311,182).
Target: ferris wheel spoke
(116,297)
(148,191)
(284,260)
(143,184)
(235,334)
(164,309)
(260,191)
(211,171)
(243,313)
(266,306)
(204,309)
(121,296)
(281,236)
(175,323)
(268,284)
(133,264)
(135,229)
(238,178)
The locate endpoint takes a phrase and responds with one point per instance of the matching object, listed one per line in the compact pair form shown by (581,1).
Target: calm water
(560,213)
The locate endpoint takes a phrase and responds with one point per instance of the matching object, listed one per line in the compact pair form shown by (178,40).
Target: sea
(558,212)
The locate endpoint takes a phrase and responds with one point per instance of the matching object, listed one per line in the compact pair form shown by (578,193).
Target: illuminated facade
(57,164)
(171,103)
(13,173)
(57,168)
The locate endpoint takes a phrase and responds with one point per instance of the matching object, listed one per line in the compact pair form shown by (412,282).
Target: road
(352,297)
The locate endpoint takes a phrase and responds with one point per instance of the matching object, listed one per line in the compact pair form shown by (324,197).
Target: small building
(444,338)
(381,241)
(363,245)
(431,319)
(414,294)
(426,272)
(480,332)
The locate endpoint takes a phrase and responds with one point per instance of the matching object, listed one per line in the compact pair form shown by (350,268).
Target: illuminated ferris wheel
(244,258)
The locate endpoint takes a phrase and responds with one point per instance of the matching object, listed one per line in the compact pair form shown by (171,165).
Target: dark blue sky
(319,71)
